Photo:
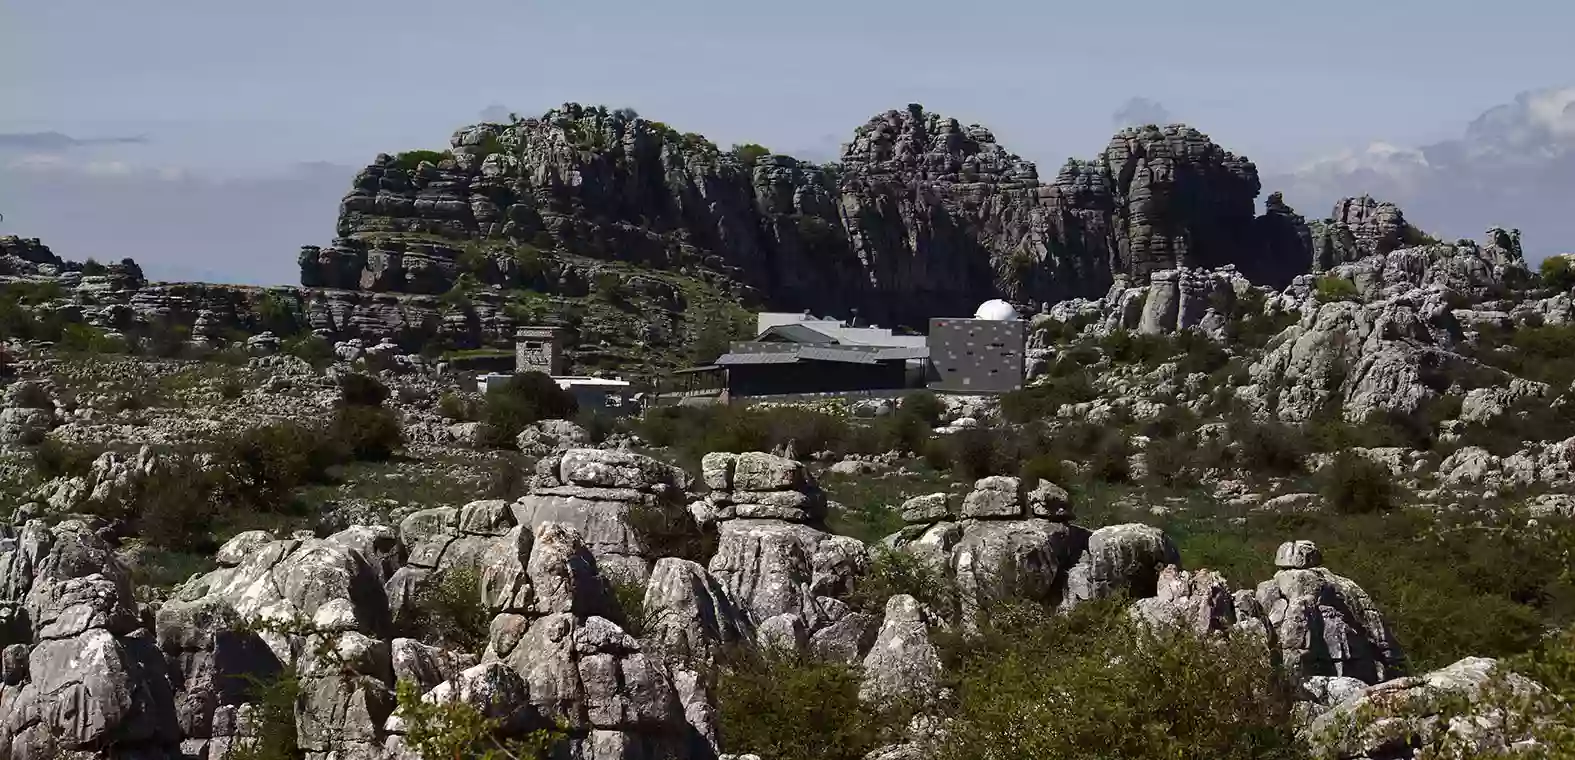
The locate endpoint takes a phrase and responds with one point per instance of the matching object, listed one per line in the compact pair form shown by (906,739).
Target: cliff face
(923,216)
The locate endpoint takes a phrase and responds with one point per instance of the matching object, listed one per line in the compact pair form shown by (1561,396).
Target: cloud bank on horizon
(1513,166)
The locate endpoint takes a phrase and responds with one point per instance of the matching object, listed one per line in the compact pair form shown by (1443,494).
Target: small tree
(750,154)
(1354,484)
(1558,273)
(523,399)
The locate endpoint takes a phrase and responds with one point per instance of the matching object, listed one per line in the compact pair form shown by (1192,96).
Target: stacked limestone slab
(1003,540)
(594,491)
(775,559)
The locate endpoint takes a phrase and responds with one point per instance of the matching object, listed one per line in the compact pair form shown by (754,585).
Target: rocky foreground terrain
(1274,489)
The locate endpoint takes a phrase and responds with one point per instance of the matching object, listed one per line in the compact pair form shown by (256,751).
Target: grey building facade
(976,355)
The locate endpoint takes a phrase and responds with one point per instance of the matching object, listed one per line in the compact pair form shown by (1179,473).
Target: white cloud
(1138,111)
(1513,166)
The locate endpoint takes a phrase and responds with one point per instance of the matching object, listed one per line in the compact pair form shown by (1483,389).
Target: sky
(209,139)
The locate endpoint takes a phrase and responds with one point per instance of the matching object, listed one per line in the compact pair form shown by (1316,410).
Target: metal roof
(798,334)
(789,353)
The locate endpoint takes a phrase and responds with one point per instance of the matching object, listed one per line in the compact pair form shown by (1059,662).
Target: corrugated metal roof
(795,352)
(732,359)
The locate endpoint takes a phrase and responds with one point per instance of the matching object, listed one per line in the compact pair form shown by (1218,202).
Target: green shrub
(749,154)
(1557,273)
(1270,448)
(1170,462)
(1044,400)
(523,399)
(1109,461)
(367,433)
(893,572)
(272,722)
(1045,467)
(231,390)
(277,315)
(176,508)
(309,348)
(448,611)
(1113,685)
(457,730)
(1354,484)
(410,160)
(973,453)
(902,432)
(629,597)
(698,430)
(609,287)
(924,405)
(456,407)
(787,707)
(57,459)
(817,234)
(1331,288)
(268,461)
(356,389)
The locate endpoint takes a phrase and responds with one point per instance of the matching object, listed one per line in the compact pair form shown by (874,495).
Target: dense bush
(1269,448)
(1557,273)
(973,453)
(367,433)
(1331,288)
(456,407)
(455,729)
(1355,484)
(786,707)
(925,406)
(1113,685)
(893,572)
(523,399)
(411,159)
(176,508)
(749,154)
(357,389)
(58,459)
(269,461)
(1044,399)
(448,611)
(1171,462)
(697,430)
(1545,353)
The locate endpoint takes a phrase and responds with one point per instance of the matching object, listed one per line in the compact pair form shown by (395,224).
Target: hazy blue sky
(240,93)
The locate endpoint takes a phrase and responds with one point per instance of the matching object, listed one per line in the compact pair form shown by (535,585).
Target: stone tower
(539,348)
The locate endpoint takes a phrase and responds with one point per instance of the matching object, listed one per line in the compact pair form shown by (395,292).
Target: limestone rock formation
(594,491)
(1325,624)
(1395,718)
(921,210)
(1005,542)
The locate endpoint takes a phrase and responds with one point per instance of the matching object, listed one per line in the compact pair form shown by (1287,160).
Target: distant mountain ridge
(922,216)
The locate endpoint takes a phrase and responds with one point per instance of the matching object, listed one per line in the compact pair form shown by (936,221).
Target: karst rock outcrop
(625,677)
(920,209)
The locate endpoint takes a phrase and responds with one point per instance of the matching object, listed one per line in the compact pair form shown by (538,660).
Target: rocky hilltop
(921,210)
(1338,508)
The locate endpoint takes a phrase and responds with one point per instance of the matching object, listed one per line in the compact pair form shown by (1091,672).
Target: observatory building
(979,355)
(800,355)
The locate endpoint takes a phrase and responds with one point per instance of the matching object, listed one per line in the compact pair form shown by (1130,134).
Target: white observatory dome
(995,310)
